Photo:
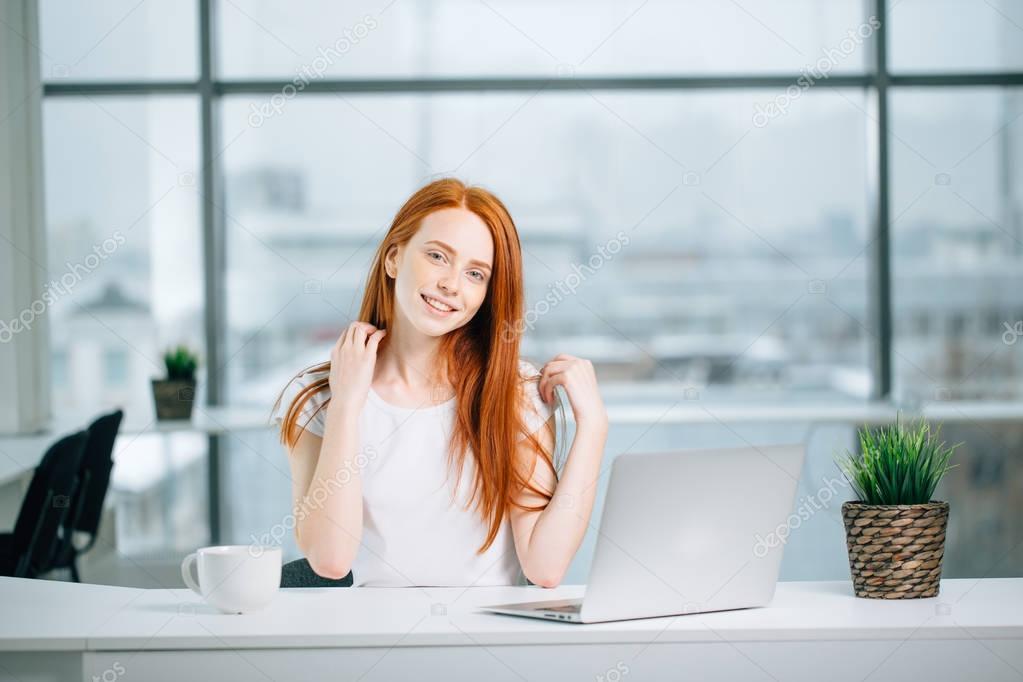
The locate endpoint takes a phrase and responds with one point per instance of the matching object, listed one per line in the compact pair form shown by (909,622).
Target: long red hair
(490,391)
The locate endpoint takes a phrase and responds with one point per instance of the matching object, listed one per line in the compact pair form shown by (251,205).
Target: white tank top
(413,534)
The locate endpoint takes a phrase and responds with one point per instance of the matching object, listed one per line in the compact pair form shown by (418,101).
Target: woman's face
(443,272)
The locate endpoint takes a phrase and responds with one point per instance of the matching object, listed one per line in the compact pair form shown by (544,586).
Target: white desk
(812,631)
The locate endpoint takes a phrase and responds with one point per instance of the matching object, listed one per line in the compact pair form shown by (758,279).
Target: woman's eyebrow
(448,248)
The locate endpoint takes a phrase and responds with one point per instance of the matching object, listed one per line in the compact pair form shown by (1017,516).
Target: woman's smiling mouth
(437,307)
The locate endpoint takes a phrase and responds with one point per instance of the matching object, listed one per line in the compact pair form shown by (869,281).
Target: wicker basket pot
(895,551)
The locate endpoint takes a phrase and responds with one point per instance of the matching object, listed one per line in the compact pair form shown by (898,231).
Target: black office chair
(29,550)
(299,573)
(87,507)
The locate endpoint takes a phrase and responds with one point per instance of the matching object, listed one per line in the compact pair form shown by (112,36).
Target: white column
(24,342)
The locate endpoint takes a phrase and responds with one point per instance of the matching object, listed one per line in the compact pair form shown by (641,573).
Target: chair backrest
(47,502)
(97,463)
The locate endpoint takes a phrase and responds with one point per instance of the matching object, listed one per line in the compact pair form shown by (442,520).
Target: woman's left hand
(580,382)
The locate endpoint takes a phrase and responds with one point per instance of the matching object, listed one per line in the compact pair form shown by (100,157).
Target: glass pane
(743,273)
(158,492)
(254,468)
(118,40)
(261,38)
(957,240)
(955,35)
(125,267)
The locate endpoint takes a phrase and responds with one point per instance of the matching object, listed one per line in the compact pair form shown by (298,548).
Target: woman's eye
(434,253)
(478,275)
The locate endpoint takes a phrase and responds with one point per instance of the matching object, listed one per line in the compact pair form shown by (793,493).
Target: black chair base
(299,573)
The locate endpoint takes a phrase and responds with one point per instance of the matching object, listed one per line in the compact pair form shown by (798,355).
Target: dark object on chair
(87,507)
(28,552)
(299,573)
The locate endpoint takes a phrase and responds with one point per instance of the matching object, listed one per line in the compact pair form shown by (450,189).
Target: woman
(425,402)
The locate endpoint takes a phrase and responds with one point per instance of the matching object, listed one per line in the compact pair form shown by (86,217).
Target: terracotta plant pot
(173,398)
(895,551)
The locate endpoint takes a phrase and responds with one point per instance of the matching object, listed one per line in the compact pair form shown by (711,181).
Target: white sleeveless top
(413,534)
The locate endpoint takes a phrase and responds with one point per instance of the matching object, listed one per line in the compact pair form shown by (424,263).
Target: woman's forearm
(560,528)
(329,528)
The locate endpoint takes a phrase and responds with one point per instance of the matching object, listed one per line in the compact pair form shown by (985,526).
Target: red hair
(490,391)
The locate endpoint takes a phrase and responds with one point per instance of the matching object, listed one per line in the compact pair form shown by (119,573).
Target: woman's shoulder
(310,416)
(528,369)
(310,375)
(536,411)
(300,381)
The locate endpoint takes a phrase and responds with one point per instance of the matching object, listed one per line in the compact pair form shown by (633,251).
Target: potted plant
(174,395)
(895,532)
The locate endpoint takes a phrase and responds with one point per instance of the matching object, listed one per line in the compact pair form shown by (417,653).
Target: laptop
(687,531)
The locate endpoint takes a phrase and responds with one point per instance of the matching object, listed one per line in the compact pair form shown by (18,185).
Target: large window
(727,202)
(728,154)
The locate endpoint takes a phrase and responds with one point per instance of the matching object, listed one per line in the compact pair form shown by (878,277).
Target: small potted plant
(175,394)
(895,532)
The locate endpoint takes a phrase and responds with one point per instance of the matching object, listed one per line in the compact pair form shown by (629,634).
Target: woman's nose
(447,284)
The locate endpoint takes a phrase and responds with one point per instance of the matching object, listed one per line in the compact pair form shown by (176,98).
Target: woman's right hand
(351,366)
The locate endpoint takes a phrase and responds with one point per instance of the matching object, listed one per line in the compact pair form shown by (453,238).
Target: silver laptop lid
(678,532)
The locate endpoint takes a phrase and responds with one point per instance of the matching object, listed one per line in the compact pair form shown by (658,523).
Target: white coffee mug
(235,578)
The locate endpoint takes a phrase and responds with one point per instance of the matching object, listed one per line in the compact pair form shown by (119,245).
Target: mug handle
(186,572)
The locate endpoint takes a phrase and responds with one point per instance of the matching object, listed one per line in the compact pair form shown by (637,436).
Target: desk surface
(57,616)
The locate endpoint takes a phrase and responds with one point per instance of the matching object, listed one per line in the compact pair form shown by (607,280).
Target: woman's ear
(391,262)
